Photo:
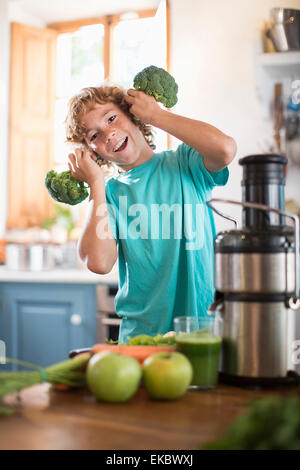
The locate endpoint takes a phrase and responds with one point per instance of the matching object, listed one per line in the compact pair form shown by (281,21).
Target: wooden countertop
(51,419)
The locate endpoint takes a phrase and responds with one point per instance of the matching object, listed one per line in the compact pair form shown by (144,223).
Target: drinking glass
(202,347)
(185,324)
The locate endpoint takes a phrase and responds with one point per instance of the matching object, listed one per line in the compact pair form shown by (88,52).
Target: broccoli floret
(62,187)
(158,83)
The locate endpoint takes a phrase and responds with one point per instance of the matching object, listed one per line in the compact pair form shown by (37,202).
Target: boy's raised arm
(217,148)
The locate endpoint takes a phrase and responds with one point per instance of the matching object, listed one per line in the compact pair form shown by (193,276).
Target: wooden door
(32,100)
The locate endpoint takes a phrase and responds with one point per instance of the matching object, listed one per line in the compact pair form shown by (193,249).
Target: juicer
(257,280)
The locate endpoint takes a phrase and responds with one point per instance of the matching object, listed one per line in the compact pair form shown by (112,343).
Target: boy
(165,266)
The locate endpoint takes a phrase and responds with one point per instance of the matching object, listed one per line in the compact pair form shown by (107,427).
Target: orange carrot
(61,387)
(138,352)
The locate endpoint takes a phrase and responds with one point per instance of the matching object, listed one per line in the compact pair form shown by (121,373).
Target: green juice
(203,351)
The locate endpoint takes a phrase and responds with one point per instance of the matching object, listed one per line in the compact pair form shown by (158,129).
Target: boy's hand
(143,106)
(83,166)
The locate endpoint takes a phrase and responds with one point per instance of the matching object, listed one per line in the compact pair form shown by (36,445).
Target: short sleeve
(112,212)
(204,180)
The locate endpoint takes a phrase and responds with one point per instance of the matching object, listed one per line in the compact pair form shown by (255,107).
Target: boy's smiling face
(115,137)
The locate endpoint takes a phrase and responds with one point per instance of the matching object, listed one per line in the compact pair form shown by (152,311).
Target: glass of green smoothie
(202,347)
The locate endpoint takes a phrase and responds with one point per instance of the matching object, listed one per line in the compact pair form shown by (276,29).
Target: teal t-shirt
(165,234)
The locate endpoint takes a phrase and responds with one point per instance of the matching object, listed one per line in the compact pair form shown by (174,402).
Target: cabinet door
(2,340)
(32,93)
(44,321)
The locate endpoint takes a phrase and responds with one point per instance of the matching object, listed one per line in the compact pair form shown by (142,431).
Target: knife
(75,352)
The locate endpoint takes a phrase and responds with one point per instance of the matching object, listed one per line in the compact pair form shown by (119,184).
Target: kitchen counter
(51,419)
(59,275)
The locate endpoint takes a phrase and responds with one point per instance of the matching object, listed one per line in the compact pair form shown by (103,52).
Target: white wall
(214,51)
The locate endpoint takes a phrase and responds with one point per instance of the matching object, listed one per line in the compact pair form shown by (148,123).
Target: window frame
(109,22)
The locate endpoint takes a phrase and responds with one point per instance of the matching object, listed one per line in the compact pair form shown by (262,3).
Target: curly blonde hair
(84,101)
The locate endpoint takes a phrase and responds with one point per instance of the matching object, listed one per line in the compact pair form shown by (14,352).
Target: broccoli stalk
(158,83)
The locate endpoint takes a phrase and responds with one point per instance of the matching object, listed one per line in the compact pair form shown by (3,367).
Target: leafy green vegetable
(273,423)
(159,83)
(161,340)
(111,341)
(66,372)
(62,187)
(144,340)
(147,340)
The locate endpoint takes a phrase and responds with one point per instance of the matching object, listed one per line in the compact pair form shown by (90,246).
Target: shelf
(279,59)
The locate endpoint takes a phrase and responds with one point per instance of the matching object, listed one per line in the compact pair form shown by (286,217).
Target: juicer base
(291,379)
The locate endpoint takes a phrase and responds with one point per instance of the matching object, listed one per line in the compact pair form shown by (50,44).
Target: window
(80,63)
(138,43)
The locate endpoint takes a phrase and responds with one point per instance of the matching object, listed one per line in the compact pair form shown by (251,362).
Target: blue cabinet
(40,322)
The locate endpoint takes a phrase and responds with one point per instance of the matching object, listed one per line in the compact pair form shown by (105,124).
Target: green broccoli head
(62,187)
(158,83)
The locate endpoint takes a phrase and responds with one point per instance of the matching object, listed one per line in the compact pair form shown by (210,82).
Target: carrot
(138,352)
(61,387)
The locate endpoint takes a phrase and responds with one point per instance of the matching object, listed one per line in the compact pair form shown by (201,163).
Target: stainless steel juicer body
(259,339)
(257,295)
(255,273)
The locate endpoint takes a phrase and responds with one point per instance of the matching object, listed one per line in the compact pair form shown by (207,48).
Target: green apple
(113,377)
(166,376)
